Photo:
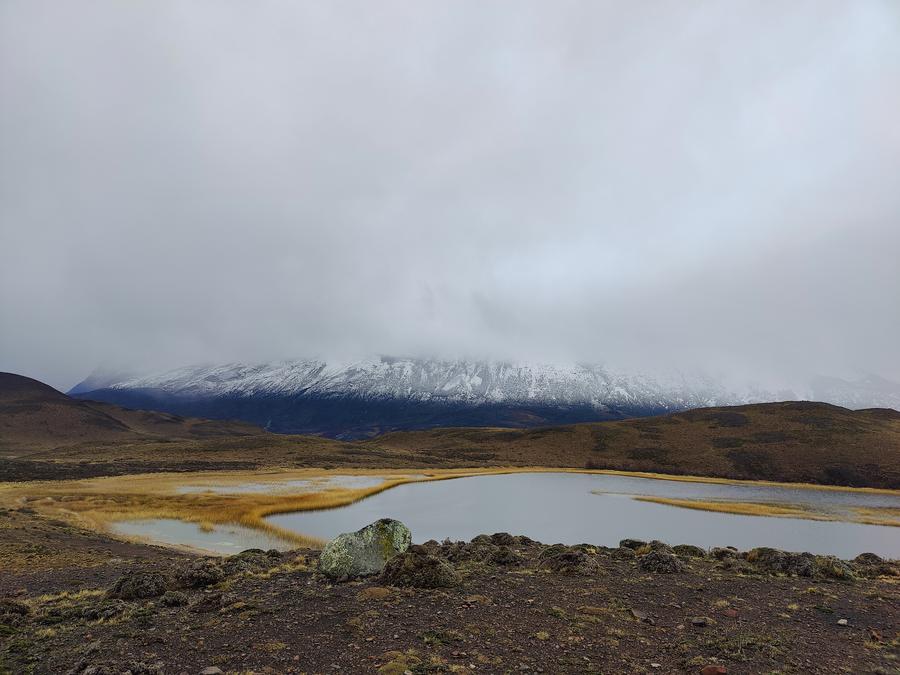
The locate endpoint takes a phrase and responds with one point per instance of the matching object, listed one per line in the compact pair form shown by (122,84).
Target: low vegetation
(499,603)
(45,435)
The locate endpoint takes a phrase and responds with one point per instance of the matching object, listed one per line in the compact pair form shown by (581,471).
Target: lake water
(223,540)
(599,509)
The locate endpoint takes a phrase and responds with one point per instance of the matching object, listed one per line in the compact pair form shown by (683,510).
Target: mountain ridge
(366,397)
(34,414)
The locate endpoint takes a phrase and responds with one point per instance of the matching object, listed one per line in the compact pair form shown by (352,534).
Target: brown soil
(517,608)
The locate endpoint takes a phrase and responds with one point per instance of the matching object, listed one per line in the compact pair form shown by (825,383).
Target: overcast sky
(671,183)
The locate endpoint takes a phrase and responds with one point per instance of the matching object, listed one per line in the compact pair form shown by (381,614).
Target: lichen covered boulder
(364,552)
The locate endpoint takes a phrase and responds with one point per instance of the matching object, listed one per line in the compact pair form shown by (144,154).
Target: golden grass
(866,516)
(97,503)
(877,515)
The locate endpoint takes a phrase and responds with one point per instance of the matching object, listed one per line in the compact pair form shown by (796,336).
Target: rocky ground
(76,602)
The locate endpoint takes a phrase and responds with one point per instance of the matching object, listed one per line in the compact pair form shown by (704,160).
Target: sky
(664,184)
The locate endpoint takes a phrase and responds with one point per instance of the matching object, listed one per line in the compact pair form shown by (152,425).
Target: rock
(633,544)
(572,562)
(173,599)
(713,670)
(782,562)
(872,566)
(506,557)
(868,559)
(660,562)
(418,569)
(201,573)
(720,553)
(834,568)
(503,539)
(642,616)
(250,560)
(622,553)
(842,622)
(689,551)
(212,670)
(657,545)
(478,551)
(552,551)
(701,621)
(138,586)
(364,552)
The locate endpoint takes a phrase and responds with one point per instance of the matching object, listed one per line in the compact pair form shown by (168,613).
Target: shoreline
(97,503)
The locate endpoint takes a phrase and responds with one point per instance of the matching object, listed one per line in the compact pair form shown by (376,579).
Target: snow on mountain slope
(372,396)
(452,382)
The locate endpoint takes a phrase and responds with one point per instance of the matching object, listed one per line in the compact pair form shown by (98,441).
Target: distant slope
(371,396)
(35,415)
(367,397)
(790,442)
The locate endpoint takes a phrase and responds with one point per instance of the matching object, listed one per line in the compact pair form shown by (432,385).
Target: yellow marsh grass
(878,515)
(97,502)
(866,516)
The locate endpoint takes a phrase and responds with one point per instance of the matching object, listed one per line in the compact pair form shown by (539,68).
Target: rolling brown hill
(46,434)
(791,441)
(34,415)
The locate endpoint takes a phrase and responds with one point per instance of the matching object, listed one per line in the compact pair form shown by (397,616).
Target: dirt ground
(514,606)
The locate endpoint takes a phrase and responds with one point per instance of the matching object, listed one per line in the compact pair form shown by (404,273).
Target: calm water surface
(598,509)
(223,540)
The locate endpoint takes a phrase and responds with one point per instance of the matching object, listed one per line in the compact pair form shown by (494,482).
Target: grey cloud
(669,183)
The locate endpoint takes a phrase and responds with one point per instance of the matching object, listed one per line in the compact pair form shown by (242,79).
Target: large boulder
(364,552)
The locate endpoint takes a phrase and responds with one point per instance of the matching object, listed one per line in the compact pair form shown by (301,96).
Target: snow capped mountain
(457,382)
(369,396)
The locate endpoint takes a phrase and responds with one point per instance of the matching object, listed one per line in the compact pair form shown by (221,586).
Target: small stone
(843,622)
(656,665)
(701,621)
(212,670)
(730,613)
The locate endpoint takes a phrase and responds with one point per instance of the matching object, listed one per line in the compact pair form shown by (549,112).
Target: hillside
(51,435)
(790,441)
(34,415)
